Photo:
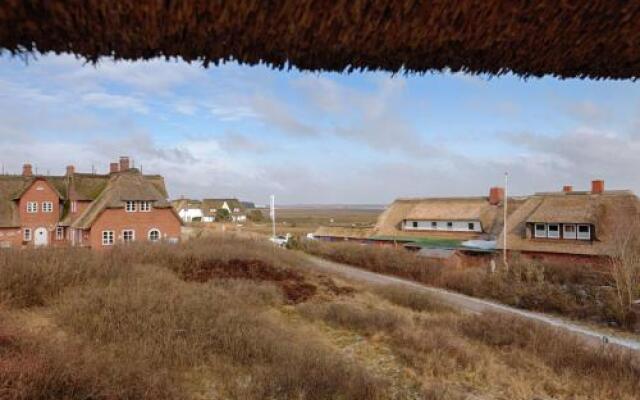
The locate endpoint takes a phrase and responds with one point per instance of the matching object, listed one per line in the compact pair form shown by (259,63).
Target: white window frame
(154,230)
(569,235)
(145,206)
(59,232)
(27,234)
(130,206)
(414,224)
(555,234)
(578,234)
(74,206)
(471,226)
(125,232)
(47,207)
(535,230)
(32,207)
(108,238)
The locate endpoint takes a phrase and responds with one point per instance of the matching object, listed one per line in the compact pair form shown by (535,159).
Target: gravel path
(475,305)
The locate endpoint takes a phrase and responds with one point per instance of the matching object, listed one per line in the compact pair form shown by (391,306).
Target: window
(449,225)
(32,207)
(128,235)
(74,206)
(145,206)
(47,206)
(130,206)
(569,231)
(154,235)
(584,232)
(415,224)
(471,226)
(26,234)
(540,231)
(60,233)
(553,231)
(434,224)
(107,238)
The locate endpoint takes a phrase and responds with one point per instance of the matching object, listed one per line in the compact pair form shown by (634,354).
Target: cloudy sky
(318,138)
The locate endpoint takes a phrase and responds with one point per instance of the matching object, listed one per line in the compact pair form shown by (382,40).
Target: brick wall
(118,220)
(39,192)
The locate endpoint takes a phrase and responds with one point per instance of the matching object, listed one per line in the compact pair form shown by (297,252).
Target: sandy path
(475,305)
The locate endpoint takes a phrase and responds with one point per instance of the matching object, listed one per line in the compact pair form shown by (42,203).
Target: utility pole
(272,214)
(504,230)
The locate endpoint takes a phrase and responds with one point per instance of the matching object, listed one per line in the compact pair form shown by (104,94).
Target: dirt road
(474,305)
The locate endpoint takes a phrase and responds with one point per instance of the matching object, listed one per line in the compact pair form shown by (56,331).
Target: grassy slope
(230,318)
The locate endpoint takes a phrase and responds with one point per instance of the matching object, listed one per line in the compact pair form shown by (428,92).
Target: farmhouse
(84,209)
(188,210)
(443,222)
(583,226)
(213,208)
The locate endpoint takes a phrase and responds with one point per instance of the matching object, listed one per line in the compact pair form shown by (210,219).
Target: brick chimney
(124,163)
(70,170)
(597,186)
(114,167)
(496,195)
(567,188)
(27,170)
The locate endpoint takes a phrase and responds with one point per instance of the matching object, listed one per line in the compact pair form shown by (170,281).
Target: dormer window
(130,206)
(32,206)
(553,231)
(569,231)
(584,232)
(145,206)
(540,231)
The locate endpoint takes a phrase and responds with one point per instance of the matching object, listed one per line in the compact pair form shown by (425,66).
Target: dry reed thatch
(595,39)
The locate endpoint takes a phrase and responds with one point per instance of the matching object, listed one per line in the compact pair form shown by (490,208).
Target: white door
(41,237)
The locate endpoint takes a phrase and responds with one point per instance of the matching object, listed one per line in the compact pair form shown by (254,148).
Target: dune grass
(233,318)
(578,292)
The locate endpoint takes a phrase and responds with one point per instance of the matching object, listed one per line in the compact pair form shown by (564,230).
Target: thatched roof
(346,232)
(123,186)
(184,204)
(443,209)
(607,212)
(105,191)
(596,38)
(215,204)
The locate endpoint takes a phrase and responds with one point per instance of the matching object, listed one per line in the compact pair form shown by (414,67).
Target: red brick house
(83,209)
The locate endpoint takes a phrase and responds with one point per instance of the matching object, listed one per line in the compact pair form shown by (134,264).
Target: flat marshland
(230,318)
(299,221)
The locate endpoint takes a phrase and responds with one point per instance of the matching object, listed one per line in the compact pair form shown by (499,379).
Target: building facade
(82,209)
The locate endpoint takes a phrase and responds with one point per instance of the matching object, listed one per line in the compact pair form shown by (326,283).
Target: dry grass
(213,318)
(575,291)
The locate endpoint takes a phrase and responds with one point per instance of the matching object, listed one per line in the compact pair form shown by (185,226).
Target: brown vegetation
(214,318)
(574,291)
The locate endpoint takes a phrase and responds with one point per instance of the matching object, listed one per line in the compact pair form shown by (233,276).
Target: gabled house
(571,224)
(188,210)
(212,207)
(83,209)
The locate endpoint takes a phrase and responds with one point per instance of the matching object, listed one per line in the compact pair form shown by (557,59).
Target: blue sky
(318,137)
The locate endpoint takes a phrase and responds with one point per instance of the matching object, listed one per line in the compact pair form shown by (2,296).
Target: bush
(577,292)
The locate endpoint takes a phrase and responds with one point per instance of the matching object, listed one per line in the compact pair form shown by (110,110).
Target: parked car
(281,240)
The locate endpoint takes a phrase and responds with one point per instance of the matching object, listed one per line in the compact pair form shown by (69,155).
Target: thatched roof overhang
(595,39)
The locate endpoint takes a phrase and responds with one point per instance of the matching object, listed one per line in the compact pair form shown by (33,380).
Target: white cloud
(114,101)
